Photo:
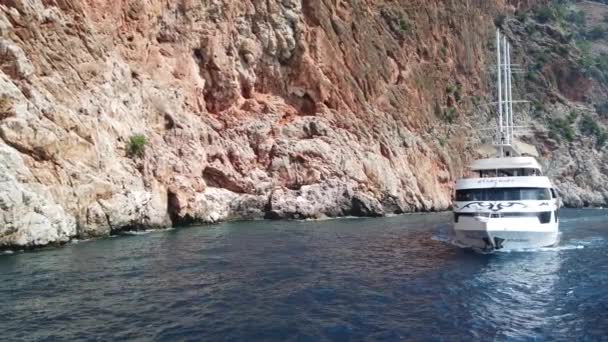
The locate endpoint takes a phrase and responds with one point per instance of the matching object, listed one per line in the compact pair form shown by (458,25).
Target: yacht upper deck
(504,182)
(506,167)
(504,172)
(506,163)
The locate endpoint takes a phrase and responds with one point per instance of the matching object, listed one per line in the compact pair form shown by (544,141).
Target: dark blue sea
(387,279)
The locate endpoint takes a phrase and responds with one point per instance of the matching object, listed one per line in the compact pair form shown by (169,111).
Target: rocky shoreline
(316,202)
(128,230)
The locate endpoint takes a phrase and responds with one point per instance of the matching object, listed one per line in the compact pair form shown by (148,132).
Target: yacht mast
(504,134)
(510,123)
(498,64)
(505,137)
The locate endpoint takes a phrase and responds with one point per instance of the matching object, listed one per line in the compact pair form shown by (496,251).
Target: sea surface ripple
(385,279)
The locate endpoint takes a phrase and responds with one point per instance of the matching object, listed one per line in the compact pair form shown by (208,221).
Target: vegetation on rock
(563,127)
(597,32)
(590,127)
(398,22)
(567,60)
(137,145)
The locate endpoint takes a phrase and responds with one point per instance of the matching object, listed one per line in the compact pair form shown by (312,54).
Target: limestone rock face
(250,109)
(311,201)
(217,204)
(29,216)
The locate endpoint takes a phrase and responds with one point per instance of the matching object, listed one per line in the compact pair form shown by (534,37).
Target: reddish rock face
(249,108)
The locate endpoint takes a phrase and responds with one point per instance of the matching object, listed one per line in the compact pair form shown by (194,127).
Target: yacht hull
(505,239)
(509,233)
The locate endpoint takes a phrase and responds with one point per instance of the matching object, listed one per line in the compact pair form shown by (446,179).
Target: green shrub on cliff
(450,115)
(397,21)
(584,46)
(541,58)
(601,139)
(545,14)
(572,117)
(602,63)
(561,127)
(454,89)
(532,76)
(404,24)
(137,145)
(562,50)
(590,127)
(602,109)
(539,107)
(585,60)
(594,66)
(577,17)
(598,32)
(561,13)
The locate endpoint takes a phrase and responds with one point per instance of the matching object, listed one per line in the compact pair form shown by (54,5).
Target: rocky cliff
(133,114)
(562,48)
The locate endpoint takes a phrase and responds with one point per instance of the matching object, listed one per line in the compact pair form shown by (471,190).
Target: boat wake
(543,249)
(445,233)
(591,242)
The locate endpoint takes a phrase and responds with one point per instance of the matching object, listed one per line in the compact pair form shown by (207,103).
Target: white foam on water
(570,245)
(77,241)
(388,215)
(542,249)
(136,232)
(449,240)
(147,231)
(330,219)
(589,218)
(590,241)
(8,252)
(440,238)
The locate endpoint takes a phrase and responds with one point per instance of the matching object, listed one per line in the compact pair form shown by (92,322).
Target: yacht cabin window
(553,193)
(503,194)
(508,173)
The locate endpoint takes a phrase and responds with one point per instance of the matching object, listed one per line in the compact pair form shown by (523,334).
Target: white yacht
(506,202)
